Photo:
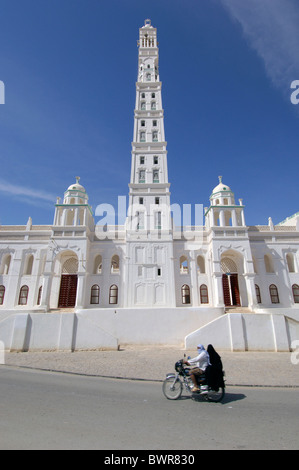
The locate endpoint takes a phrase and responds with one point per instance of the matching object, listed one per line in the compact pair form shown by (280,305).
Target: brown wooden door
(226,290)
(68,291)
(231,291)
(235,289)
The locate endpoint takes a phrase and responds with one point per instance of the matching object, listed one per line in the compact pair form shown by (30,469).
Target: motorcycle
(211,385)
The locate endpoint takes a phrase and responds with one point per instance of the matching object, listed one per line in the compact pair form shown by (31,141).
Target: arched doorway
(230,281)
(69,282)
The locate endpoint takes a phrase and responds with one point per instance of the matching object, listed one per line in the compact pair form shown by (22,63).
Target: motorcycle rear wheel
(214,396)
(172,388)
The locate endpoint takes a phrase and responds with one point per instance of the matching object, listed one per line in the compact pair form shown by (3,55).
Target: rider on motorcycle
(201,362)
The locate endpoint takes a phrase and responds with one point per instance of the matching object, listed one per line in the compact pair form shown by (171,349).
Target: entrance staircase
(238,310)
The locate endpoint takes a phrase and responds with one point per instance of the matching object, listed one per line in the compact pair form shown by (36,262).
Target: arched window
(290,262)
(204,295)
(39,297)
(258,294)
(95,295)
(228,218)
(186,299)
(5,265)
(268,264)
(184,268)
(115,264)
(28,265)
(70,217)
(274,294)
(295,289)
(113,295)
(2,294)
(23,297)
(98,265)
(201,264)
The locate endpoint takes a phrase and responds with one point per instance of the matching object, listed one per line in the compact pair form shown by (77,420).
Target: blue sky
(70,67)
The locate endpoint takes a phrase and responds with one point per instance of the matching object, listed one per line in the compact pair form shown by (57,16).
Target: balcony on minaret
(148,35)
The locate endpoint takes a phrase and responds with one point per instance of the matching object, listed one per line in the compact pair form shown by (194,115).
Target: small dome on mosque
(221,187)
(77,186)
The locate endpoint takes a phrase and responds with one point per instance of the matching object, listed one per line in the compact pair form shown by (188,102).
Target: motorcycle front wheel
(172,388)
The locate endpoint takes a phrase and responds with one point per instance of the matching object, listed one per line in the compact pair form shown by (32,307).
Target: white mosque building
(76,285)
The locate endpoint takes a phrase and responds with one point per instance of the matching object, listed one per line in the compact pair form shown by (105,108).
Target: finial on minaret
(220,179)
(77,179)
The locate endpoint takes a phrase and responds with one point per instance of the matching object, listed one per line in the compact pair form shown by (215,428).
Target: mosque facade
(151,264)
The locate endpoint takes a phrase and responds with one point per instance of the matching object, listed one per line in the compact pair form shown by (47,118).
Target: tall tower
(149,188)
(149,228)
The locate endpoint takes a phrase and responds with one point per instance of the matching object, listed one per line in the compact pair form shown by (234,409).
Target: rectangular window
(142,160)
(142,176)
(156,160)
(155,136)
(155,123)
(142,123)
(156,176)
(159,272)
(158,220)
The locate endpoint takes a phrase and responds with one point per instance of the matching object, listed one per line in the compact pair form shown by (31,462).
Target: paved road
(44,410)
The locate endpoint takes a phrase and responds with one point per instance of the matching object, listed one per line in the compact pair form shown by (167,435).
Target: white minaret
(149,259)
(149,188)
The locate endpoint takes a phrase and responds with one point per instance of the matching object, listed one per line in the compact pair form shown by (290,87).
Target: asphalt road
(44,410)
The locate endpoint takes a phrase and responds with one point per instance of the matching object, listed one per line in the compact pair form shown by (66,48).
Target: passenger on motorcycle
(201,362)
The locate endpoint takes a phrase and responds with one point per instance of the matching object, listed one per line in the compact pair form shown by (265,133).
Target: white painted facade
(72,285)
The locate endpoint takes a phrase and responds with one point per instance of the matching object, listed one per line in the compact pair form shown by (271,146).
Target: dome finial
(77,179)
(220,179)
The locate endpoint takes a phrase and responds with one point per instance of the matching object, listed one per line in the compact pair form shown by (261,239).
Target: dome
(221,187)
(76,186)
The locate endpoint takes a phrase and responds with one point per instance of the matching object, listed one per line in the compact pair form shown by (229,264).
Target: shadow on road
(228,398)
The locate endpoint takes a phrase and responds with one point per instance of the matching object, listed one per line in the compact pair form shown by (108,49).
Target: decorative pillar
(194,279)
(80,300)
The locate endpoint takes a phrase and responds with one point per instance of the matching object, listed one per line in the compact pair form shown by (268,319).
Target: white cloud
(33,195)
(271,27)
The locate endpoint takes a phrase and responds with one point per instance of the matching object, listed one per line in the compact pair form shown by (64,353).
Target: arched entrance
(230,282)
(69,282)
